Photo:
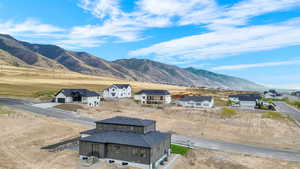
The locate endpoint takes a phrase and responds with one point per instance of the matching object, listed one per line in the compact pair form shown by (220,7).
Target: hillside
(228,81)
(24,54)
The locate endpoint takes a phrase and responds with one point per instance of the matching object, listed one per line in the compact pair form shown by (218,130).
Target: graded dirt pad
(22,136)
(204,159)
(247,127)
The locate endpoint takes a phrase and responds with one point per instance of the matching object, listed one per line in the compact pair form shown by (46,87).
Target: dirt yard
(23,134)
(204,159)
(246,127)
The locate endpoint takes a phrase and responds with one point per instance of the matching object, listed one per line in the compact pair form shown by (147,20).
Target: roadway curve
(195,142)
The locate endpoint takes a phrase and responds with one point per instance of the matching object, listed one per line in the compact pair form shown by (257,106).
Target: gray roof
(246,97)
(196,98)
(154,92)
(127,121)
(128,138)
(76,92)
(90,132)
(121,85)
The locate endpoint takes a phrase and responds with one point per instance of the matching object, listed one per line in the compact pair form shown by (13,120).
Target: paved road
(176,139)
(287,109)
(52,112)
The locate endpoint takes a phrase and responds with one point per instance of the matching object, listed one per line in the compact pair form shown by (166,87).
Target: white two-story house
(117,91)
(83,96)
(153,97)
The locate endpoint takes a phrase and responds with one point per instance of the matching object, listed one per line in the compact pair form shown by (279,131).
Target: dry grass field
(26,82)
(248,127)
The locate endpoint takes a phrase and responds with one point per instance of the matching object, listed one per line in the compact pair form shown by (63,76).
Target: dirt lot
(246,127)
(23,134)
(204,159)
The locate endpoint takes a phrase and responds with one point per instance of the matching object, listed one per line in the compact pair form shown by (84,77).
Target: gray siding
(128,153)
(92,149)
(113,127)
(159,150)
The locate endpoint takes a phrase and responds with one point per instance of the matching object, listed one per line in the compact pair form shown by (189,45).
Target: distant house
(273,94)
(297,93)
(83,96)
(126,141)
(244,100)
(196,101)
(117,91)
(153,97)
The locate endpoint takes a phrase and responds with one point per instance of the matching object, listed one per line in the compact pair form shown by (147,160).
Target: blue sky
(257,40)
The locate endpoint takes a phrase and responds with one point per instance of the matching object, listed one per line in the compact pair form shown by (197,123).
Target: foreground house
(117,91)
(83,96)
(244,100)
(197,101)
(153,97)
(126,141)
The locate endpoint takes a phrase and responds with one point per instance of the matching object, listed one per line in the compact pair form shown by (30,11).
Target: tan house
(153,97)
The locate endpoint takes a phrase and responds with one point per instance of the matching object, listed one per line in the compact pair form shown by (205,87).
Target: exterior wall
(153,99)
(114,92)
(61,95)
(247,103)
(160,150)
(204,104)
(113,127)
(128,153)
(91,101)
(150,128)
(92,149)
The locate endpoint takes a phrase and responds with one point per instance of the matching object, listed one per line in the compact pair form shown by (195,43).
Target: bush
(45,95)
(277,116)
(4,110)
(176,149)
(227,112)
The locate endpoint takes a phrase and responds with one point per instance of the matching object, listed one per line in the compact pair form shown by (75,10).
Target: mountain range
(20,53)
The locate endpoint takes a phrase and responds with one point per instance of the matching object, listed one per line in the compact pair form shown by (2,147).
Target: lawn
(227,112)
(176,149)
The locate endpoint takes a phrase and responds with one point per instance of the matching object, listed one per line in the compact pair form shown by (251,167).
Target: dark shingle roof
(247,97)
(121,85)
(154,92)
(75,92)
(196,98)
(90,132)
(127,138)
(127,121)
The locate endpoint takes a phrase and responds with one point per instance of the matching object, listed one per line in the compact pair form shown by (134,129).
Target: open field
(37,82)
(247,127)
(23,135)
(204,159)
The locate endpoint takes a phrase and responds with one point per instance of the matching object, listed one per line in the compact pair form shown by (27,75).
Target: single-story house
(117,91)
(153,97)
(196,101)
(244,100)
(126,141)
(83,96)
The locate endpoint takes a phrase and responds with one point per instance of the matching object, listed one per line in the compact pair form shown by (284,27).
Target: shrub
(227,112)
(4,110)
(176,149)
(277,116)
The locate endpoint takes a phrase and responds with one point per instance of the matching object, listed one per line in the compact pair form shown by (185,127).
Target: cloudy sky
(254,39)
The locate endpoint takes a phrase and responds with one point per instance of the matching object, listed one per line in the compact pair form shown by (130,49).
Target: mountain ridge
(21,53)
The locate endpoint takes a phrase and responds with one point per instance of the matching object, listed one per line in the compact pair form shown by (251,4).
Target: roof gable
(78,92)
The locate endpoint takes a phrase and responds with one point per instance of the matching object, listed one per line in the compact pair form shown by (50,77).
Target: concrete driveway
(195,142)
(46,105)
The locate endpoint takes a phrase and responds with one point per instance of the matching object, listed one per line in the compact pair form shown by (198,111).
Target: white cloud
(266,64)
(28,26)
(226,42)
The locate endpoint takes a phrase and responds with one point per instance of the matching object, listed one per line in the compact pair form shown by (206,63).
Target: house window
(144,97)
